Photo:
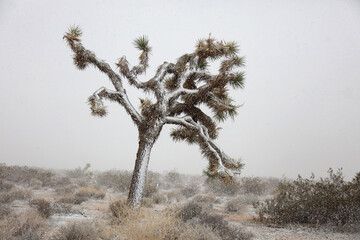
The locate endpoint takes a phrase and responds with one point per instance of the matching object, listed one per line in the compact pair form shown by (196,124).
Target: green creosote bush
(331,200)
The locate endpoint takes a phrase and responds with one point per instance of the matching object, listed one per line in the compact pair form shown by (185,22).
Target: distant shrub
(236,205)
(77,231)
(173,179)
(254,185)
(5,186)
(205,198)
(306,201)
(226,188)
(89,192)
(15,194)
(24,175)
(43,206)
(119,180)
(189,191)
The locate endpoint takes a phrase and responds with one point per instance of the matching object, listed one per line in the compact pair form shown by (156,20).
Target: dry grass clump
(158,198)
(44,207)
(120,210)
(205,198)
(62,207)
(236,205)
(147,202)
(90,192)
(27,225)
(77,231)
(148,225)
(15,194)
(306,201)
(195,213)
(82,194)
(199,232)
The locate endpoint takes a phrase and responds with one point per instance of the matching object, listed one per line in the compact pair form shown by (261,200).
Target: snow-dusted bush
(329,201)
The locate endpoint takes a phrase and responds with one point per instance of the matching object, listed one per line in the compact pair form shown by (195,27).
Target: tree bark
(140,170)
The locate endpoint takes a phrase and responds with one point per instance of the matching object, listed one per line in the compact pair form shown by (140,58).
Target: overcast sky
(301,112)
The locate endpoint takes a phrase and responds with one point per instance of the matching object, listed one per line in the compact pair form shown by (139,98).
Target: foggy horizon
(301,112)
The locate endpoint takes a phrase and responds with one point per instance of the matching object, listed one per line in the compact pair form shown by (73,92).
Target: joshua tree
(180,89)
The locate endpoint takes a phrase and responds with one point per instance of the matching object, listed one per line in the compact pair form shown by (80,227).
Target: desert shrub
(80,172)
(189,191)
(150,189)
(158,198)
(119,180)
(149,225)
(236,205)
(61,181)
(120,210)
(199,232)
(77,231)
(23,175)
(173,179)
(6,186)
(205,198)
(15,194)
(5,211)
(43,206)
(226,188)
(89,192)
(196,213)
(26,225)
(82,195)
(328,201)
(64,190)
(174,196)
(254,185)
(62,207)
(147,202)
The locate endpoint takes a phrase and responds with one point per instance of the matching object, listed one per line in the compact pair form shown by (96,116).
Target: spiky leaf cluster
(74,33)
(97,107)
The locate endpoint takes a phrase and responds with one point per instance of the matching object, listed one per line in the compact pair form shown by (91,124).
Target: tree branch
(208,147)
(83,57)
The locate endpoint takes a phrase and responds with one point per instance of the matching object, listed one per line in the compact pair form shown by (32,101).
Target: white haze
(302,94)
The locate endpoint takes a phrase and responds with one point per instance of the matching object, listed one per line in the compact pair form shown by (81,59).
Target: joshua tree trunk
(146,142)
